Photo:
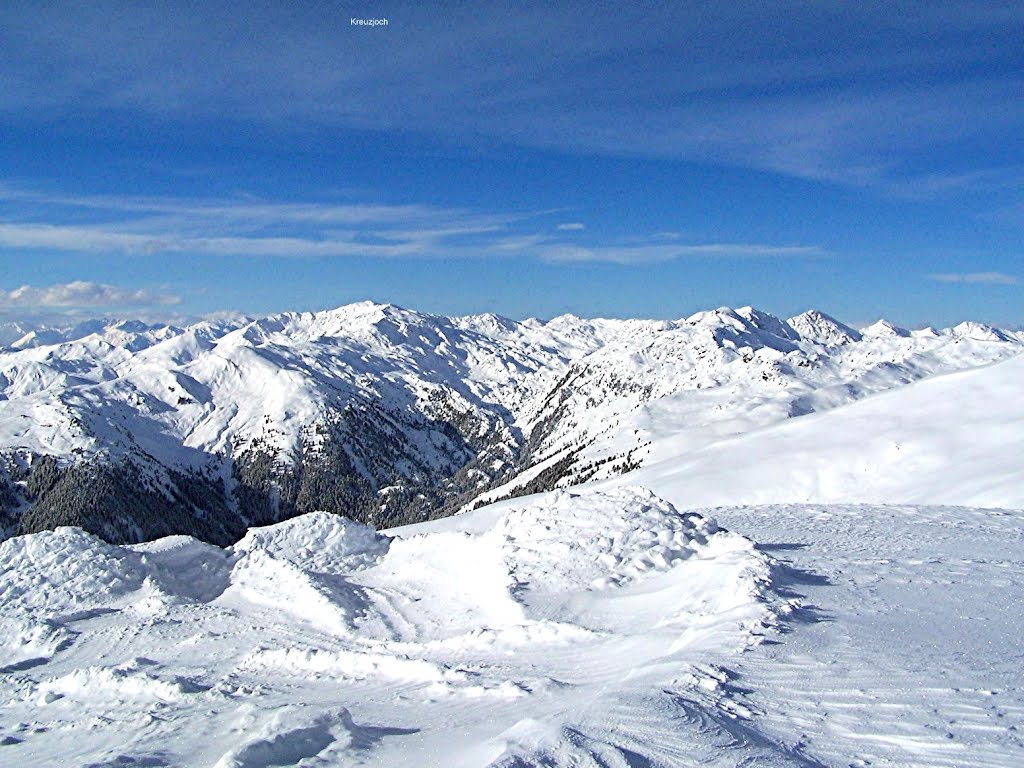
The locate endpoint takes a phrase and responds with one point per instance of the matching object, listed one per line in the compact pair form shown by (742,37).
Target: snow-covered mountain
(389,416)
(11,331)
(131,334)
(855,618)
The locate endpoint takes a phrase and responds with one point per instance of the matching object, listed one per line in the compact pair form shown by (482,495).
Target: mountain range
(134,431)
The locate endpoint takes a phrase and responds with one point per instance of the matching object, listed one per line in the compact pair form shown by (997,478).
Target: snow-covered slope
(392,416)
(907,649)
(951,439)
(11,331)
(660,391)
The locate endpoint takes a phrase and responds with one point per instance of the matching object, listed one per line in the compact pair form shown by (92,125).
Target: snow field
(951,439)
(907,648)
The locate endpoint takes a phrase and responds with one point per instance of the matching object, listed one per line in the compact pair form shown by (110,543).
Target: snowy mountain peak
(884,329)
(745,327)
(374,312)
(767,323)
(488,324)
(367,320)
(132,335)
(980,332)
(743,318)
(11,332)
(823,329)
(36,338)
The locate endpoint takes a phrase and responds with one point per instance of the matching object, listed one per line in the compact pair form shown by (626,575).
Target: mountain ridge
(391,416)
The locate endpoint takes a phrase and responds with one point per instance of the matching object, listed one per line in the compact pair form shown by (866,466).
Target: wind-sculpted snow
(318,542)
(908,647)
(588,543)
(66,571)
(320,640)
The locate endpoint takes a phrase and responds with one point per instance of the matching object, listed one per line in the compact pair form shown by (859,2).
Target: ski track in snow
(908,650)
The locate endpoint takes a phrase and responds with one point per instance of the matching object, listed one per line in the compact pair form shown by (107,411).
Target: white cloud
(82,294)
(145,226)
(648,254)
(984,278)
(105,239)
(148,226)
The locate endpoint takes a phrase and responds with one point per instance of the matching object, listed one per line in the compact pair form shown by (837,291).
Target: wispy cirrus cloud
(106,240)
(975,278)
(653,253)
(82,294)
(855,93)
(145,227)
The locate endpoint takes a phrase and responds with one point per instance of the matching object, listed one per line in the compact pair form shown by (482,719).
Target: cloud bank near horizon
(82,294)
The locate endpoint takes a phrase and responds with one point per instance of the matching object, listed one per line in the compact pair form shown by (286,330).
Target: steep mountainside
(388,416)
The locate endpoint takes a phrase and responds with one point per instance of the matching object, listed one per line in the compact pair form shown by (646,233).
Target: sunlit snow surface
(598,629)
(572,627)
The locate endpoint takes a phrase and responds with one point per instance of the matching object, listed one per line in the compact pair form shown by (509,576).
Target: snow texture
(492,638)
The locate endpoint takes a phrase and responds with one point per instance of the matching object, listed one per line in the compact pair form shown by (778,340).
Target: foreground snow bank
(321,640)
(601,540)
(317,542)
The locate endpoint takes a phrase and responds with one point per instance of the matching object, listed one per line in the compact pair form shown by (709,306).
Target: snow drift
(445,641)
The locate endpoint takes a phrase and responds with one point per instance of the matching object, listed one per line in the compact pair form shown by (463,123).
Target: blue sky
(617,159)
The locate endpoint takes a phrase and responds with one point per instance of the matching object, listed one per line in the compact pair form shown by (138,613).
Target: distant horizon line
(56,321)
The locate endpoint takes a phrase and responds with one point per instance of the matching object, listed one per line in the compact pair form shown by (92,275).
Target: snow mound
(300,566)
(318,542)
(291,736)
(349,665)
(445,585)
(26,643)
(186,568)
(128,683)
(571,541)
(175,652)
(327,602)
(68,574)
(66,571)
